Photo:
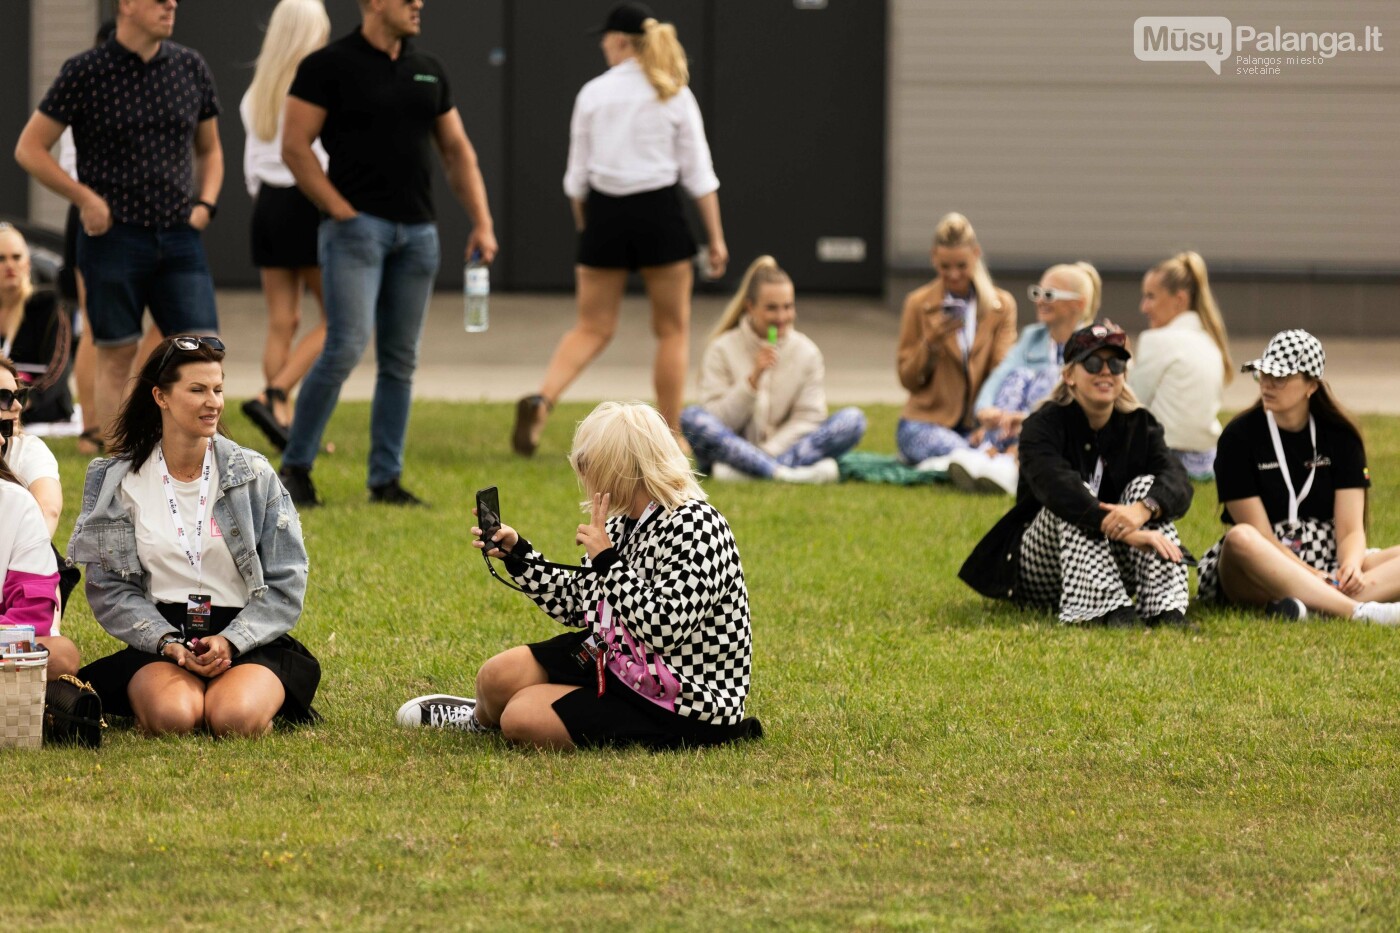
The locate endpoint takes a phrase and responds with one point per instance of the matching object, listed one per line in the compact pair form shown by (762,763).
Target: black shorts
(284,229)
(635,231)
(620,716)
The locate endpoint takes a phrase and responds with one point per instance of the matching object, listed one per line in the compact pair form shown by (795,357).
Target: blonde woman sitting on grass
(763,400)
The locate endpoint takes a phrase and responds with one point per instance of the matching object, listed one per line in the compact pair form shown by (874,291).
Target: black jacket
(1058,454)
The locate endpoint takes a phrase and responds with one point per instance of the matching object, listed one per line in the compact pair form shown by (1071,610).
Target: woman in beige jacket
(954,331)
(763,403)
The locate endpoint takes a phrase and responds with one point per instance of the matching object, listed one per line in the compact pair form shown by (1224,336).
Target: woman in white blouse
(1182,364)
(635,142)
(284,220)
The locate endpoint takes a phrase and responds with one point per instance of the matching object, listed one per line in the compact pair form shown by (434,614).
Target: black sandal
(94,437)
(259,411)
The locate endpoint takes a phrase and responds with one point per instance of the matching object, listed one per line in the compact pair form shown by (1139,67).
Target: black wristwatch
(213,209)
(1153,507)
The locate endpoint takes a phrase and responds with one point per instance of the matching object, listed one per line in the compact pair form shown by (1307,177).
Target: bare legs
(513,691)
(600,294)
(240,702)
(1254,572)
(284,365)
(63,655)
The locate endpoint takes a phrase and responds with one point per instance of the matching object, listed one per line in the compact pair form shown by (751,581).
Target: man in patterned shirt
(144,117)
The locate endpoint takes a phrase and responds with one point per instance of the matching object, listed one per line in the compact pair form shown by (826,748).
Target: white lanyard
(646,514)
(196,556)
(1294,499)
(1094,481)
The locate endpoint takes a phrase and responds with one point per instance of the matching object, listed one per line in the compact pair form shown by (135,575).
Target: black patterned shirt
(134,124)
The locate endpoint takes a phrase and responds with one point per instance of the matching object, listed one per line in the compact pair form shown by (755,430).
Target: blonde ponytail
(1187,272)
(955,231)
(762,271)
(295,30)
(662,58)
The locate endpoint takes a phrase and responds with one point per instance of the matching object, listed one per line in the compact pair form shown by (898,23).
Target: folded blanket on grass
(860,466)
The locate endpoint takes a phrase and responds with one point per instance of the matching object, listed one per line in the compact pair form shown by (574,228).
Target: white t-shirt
(169,576)
(623,140)
(30,459)
(262,158)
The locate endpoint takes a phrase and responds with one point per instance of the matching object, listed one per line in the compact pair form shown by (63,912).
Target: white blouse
(262,158)
(1178,374)
(623,140)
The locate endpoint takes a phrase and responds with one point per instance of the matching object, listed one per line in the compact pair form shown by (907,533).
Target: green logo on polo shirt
(430,79)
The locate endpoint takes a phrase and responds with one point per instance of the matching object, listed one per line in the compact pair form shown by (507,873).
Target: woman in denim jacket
(204,600)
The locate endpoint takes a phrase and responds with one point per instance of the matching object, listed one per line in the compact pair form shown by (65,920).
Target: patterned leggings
(1085,576)
(919,440)
(713,442)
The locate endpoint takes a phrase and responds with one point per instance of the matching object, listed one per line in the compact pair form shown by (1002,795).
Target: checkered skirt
(1315,542)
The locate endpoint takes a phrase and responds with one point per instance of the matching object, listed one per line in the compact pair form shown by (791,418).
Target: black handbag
(72,712)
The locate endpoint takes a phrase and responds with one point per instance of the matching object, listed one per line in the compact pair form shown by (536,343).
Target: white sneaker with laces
(1378,613)
(964,468)
(999,475)
(440,711)
(724,473)
(820,473)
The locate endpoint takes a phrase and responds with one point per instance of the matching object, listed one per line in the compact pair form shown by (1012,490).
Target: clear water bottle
(477,277)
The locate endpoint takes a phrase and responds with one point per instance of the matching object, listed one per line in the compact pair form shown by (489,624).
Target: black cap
(1084,342)
(628,18)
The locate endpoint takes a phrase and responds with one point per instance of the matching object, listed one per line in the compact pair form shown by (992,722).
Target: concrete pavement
(856,334)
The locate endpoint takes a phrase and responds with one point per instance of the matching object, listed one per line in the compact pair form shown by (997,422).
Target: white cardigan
(790,402)
(1178,374)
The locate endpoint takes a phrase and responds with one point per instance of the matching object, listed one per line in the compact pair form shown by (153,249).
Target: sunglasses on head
(1037,293)
(9,396)
(188,342)
(1093,365)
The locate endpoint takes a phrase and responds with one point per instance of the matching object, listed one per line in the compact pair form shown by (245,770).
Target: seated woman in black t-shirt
(1292,479)
(35,332)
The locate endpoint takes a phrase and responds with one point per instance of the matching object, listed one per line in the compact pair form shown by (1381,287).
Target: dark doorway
(15,107)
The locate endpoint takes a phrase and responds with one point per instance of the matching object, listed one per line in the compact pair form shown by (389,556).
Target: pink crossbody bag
(648,677)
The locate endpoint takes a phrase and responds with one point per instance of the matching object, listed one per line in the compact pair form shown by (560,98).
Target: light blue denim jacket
(261,528)
(1031,351)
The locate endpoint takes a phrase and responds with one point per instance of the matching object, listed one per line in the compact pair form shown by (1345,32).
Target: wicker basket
(22,681)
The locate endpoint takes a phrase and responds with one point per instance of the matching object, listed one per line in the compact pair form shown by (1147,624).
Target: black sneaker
(440,711)
(1122,617)
(1289,609)
(297,481)
(391,493)
(1170,617)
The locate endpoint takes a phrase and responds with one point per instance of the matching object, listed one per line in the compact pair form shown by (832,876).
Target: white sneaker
(724,473)
(440,711)
(1378,613)
(933,465)
(965,468)
(822,472)
(999,475)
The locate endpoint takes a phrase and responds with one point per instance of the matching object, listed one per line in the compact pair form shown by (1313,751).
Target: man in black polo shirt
(379,107)
(144,116)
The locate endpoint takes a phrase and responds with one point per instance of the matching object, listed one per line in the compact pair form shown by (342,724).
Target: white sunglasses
(1037,293)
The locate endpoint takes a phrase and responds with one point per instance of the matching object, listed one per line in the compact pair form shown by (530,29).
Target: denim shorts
(131,268)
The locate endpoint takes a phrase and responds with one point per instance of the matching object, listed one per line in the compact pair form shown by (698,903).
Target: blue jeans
(378,277)
(130,268)
(712,441)
(919,440)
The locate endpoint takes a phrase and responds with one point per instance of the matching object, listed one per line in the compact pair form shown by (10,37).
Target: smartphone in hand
(488,514)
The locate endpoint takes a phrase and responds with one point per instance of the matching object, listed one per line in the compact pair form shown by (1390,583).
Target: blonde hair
(26,285)
(1090,286)
(954,231)
(296,29)
(1186,272)
(662,58)
(621,448)
(762,271)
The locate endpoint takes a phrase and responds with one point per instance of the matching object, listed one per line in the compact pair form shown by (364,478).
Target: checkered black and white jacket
(676,584)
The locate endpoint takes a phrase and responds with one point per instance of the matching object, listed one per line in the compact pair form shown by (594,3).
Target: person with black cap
(636,141)
(1292,478)
(1098,494)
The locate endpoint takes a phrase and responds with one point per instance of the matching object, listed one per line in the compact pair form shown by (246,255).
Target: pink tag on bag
(649,678)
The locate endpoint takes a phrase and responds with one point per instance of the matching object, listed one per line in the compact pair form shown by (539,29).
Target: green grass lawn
(933,760)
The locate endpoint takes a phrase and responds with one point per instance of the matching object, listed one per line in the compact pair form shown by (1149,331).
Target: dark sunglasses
(9,396)
(188,343)
(1093,365)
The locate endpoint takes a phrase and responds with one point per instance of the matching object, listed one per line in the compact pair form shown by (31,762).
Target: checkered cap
(1292,351)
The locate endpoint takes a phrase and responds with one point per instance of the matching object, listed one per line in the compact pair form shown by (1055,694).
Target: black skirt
(284,229)
(287,658)
(620,716)
(635,231)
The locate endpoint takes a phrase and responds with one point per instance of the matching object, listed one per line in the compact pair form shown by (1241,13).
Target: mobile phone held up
(488,514)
